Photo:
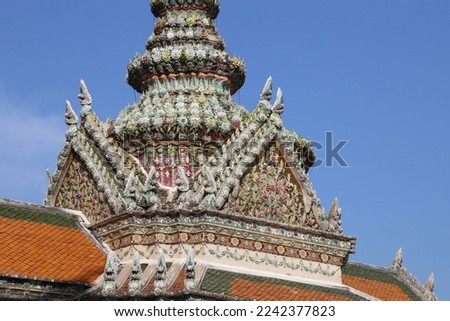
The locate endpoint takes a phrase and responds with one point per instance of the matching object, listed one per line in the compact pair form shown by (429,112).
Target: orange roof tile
(381,283)
(270,289)
(262,291)
(53,252)
(378,289)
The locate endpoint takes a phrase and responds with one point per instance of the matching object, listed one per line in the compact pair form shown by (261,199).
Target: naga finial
(267,91)
(71,117)
(84,96)
(398,260)
(278,106)
(161,273)
(85,99)
(335,218)
(429,286)
(71,121)
(109,276)
(136,275)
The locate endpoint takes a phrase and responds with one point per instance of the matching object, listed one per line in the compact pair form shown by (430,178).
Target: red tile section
(381,290)
(262,291)
(36,250)
(178,284)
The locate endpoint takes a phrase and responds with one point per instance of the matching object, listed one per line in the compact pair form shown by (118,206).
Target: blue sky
(375,73)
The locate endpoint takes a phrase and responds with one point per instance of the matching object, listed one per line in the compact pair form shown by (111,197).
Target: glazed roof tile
(377,282)
(45,243)
(270,289)
(178,283)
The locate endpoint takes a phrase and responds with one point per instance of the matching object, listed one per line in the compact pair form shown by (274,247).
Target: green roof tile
(37,214)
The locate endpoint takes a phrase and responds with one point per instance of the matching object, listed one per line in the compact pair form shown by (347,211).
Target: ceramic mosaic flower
(190,33)
(201,53)
(156,54)
(166,56)
(190,21)
(183,121)
(195,122)
(170,34)
(144,122)
(180,106)
(225,126)
(158,121)
(201,100)
(156,101)
(189,53)
(176,54)
(205,21)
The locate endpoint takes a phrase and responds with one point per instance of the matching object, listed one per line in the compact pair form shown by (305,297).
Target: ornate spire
(186,78)
(185,43)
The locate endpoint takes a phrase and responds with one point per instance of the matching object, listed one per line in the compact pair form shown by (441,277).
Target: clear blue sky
(375,73)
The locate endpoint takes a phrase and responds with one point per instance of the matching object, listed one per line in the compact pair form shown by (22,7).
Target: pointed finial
(71,121)
(335,218)
(189,281)
(161,270)
(278,107)
(84,96)
(131,191)
(136,275)
(267,91)
(429,286)
(85,99)
(71,117)
(49,176)
(398,260)
(109,276)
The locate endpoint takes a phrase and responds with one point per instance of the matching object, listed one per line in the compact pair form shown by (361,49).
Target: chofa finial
(84,96)
(71,117)
(398,260)
(278,106)
(71,121)
(267,91)
(429,286)
(85,99)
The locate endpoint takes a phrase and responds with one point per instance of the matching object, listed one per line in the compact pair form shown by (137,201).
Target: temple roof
(47,244)
(186,175)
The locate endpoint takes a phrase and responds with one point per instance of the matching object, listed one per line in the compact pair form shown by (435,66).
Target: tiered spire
(186,78)
(185,43)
